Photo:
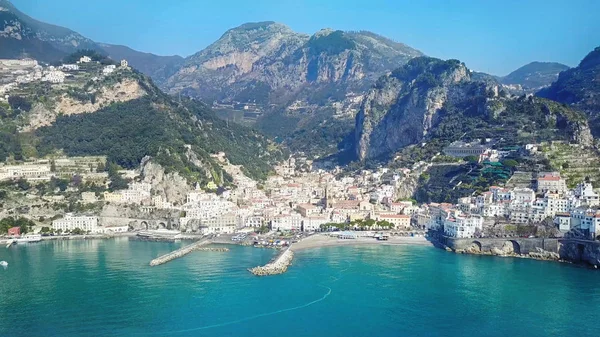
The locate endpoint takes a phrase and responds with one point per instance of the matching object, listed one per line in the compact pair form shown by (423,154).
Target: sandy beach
(322,240)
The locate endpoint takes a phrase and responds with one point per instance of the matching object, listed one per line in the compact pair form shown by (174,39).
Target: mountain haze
(535,75)
(23,36)
(159,68)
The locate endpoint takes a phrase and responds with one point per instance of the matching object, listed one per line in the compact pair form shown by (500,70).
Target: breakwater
(278,266)
(179,253)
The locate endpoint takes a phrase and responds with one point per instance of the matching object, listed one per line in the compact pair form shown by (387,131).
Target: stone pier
(278,266)
(184,251)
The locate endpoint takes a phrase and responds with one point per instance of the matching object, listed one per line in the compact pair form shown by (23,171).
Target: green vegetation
(153,126)
(23,223)
(93,54)
(447,183)
(333,43)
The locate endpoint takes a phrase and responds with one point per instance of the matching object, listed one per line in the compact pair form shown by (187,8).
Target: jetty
(196,246)
(279,265)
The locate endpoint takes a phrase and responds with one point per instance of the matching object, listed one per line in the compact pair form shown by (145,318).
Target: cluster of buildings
(296,199)
(87,223)
(574,209)
(16,72)
(90,168)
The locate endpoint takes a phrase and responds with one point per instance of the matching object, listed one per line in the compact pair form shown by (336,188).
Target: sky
(492,36)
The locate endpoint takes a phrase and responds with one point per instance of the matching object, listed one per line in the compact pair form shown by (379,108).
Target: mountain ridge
(534,75)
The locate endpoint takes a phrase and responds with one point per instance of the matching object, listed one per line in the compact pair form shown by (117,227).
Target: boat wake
(245,318)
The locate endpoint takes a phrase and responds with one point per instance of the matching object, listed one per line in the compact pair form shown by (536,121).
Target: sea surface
(106,288)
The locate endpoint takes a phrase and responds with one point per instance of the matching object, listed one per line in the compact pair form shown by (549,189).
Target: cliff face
(65,105)
(404,106)
(580,88)
(434,100)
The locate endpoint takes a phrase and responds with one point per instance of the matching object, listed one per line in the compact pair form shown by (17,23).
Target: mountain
(22,36)
(580,88)
(297,82)
(436,102)
(534,75)
(125,117)
(254,60)
(159,68)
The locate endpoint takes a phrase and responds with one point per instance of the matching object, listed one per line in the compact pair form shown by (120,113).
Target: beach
(323,240)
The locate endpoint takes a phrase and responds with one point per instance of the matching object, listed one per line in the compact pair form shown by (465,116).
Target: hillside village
(297,198)
(16,72)
(87,194)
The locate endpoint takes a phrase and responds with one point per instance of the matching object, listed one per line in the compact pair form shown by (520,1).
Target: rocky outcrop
(403,107)
(580,251)
(430,99)
(172,186)
(41,115)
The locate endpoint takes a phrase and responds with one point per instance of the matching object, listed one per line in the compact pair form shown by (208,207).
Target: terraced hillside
(574,162)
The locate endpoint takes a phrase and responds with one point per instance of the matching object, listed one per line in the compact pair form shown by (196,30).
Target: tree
(19,103)
(471,159)
(511,163)
(23,185)
(6,223)
(76,180)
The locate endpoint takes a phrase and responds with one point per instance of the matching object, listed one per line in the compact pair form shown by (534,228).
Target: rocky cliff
(580,88)
(433,100)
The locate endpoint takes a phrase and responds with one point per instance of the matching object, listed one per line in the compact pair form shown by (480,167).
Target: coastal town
(60,196)
(297,198)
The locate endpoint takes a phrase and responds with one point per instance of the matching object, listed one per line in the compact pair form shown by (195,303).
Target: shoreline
(322,241)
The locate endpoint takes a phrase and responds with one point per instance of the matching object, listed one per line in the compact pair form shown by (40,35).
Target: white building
(585,192)
(69,67)
(287,222)
(551,182)
(462,226)
(54,76)
(109,69)
(85,59)
(313,223)
(224,224)
(39,170)
(70,222)
(587,221)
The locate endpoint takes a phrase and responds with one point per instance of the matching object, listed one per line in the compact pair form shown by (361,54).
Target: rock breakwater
(277,266)
(179,253)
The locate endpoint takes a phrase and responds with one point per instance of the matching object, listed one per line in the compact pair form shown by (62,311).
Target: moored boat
(29,238)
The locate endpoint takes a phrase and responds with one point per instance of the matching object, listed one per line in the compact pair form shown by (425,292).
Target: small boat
(29,238)
(3,264)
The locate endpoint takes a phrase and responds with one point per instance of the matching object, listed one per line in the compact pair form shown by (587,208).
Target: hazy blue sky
(494,36)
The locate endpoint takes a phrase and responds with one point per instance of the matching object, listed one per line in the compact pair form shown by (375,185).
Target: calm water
(106,288)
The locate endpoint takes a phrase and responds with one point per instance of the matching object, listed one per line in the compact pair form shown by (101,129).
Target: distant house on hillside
(124,64)
(85,59)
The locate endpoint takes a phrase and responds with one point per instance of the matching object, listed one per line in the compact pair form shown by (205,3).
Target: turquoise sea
(106,288)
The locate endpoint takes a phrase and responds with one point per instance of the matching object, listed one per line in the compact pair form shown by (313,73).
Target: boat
(3,264)
(29,238)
